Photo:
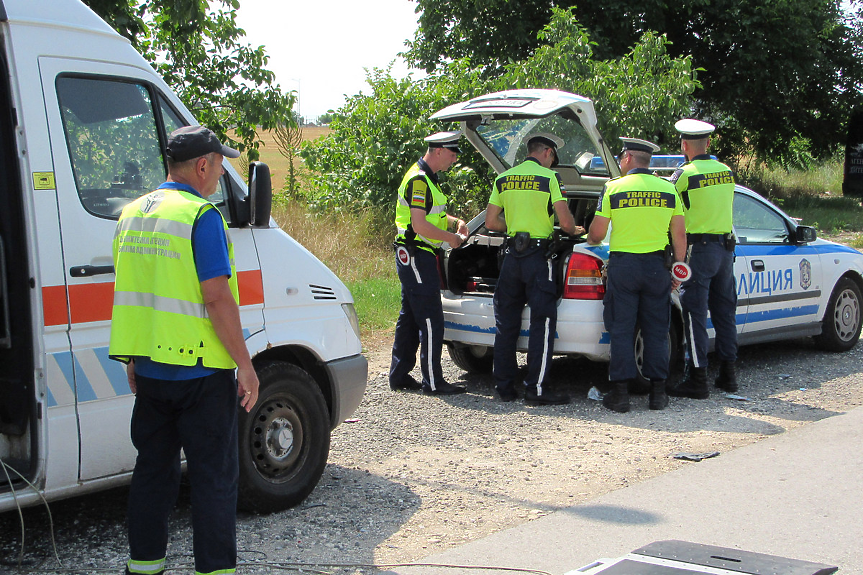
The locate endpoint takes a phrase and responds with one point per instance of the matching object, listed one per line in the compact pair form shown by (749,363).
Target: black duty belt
(704,238)
(656,253)
(534,242)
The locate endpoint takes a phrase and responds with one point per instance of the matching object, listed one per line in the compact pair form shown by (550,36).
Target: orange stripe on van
(54,306)
(251,287)
(93,302)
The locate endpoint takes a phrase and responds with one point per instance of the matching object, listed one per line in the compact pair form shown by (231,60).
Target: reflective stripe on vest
(159,310)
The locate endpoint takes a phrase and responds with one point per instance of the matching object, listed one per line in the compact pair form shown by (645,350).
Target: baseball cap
(191,142)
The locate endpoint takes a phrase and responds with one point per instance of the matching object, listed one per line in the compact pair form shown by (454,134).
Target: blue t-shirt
(210,248)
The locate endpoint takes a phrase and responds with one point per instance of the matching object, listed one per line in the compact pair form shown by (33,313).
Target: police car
(790,283)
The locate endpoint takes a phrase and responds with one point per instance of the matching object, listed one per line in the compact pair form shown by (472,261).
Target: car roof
(525,103)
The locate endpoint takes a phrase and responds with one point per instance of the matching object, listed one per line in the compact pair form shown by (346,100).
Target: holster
(730,242)
(521,242)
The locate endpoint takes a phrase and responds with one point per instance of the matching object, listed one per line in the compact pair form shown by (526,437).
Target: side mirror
(804,234)
(260,200)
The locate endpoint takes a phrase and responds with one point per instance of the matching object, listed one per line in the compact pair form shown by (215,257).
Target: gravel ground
(410,475)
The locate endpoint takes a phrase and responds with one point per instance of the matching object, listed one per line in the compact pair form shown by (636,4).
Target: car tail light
(583,278)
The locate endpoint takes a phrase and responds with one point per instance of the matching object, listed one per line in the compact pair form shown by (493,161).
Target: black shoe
(618,398)
(407,384)
(693,386)
(658,397)
(727,378)
(444,388)
(508,394)
(531,397)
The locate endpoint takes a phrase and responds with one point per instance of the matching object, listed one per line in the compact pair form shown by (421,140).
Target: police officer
(642,209)
(176,323)
(706,187)
(523,203)
(421,224)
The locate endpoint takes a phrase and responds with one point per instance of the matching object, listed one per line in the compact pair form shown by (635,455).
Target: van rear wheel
(284,441)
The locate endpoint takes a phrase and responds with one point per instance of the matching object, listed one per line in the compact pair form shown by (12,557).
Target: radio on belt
(683,558)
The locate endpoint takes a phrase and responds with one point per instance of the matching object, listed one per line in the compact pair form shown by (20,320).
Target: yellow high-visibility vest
(159,309)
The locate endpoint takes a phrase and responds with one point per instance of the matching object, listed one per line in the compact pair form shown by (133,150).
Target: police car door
(778,282)
(106,151)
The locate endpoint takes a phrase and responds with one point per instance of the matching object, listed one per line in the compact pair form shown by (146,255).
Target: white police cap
(691,129)
(448,140)
(637,145)
(547,139)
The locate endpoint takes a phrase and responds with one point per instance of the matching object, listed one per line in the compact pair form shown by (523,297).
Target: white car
(790,283)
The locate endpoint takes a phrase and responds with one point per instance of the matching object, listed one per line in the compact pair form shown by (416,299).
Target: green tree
(774,71)
(376,137)
(200,53)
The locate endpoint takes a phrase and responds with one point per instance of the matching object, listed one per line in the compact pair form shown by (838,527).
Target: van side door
(106,148)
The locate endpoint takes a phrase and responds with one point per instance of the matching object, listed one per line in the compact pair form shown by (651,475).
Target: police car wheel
(840,328)
(641,384)
(284,441)
(471,358)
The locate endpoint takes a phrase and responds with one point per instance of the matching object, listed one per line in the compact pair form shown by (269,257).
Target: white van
(83,119)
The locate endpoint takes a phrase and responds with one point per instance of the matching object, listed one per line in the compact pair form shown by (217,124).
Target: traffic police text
(643,200)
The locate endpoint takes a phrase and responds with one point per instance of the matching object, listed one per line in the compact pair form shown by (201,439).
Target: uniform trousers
(638,291)
(710,288)
(199,415)
(525,278)
(420,322)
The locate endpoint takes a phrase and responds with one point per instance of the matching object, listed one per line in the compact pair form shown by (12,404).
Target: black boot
(694,384)
(618,398)
(658,397)
(727,378)
(531,397)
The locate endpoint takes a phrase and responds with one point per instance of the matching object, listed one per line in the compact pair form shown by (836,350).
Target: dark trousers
(711,288)
(420,323)
(199,415)
(638,290)
(526,278)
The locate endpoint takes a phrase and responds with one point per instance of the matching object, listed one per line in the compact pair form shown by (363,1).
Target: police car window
(173,121)
(508,140)
(112,139)
(757,223)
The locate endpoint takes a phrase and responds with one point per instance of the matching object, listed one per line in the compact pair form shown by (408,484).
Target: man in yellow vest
(176,323)
(421,227)
(706,187)
(523,203)
(643,210)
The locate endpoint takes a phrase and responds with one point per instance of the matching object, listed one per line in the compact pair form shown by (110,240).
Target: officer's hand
(462,229)
(247,387)
(579,231)
(457,240)
(674,284)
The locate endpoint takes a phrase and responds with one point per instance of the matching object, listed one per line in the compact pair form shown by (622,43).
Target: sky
(320,49)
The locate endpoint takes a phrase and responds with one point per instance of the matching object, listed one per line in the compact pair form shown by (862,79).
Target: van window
(113,142)
(172,122)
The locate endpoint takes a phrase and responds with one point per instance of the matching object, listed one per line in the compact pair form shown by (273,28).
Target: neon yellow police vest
(527,193)
(709,185)
(421,186)
(640,207)
(159,309)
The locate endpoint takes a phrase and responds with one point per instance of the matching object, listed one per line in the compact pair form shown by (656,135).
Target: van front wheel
(284,441)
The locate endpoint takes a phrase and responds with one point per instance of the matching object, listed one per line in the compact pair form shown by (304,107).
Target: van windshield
(508,140)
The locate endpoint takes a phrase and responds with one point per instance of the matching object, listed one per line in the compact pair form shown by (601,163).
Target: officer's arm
(678,237)
(565,219)
(225,317)
(493,218)
(598,229)
(425,228)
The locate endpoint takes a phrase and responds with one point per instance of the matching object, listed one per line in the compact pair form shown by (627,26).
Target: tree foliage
(376,137)
(200,53)
(778,74)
